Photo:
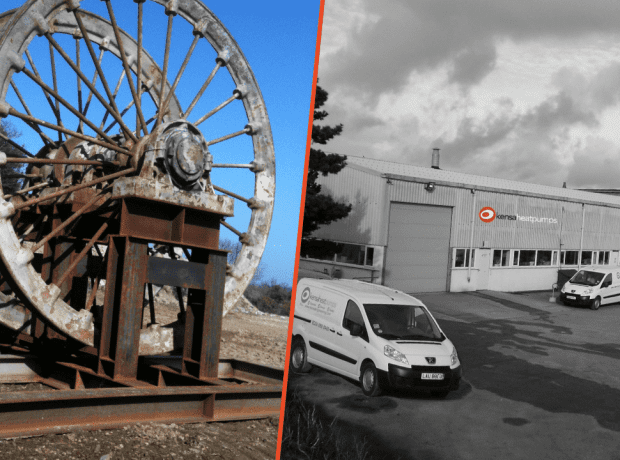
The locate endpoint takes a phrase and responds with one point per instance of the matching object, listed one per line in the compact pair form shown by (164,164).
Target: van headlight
(563,288)
(588,291)
(454,358)
(396,355)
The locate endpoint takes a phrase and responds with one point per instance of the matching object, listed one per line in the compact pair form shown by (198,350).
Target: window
(527,258)
(586,257)
(603,257)
(570,257)
(607,281)
(351,254)
(515,257)
(501,257)
(543,258)
(356,254)
(353,317)
(461,258)
(554,260)
(370,253)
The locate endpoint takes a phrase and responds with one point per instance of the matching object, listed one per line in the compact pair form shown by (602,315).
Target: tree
(320,208)
(10,184)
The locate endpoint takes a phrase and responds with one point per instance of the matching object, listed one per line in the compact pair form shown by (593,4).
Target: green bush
(270,297)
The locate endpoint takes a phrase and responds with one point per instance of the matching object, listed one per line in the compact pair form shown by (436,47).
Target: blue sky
(278,38)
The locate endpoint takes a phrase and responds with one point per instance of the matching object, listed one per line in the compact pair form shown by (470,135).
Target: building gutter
(471,237)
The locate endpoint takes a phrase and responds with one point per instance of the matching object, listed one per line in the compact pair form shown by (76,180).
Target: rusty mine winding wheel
(114,183)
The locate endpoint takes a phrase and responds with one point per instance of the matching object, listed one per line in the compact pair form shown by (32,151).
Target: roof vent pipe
(435,160)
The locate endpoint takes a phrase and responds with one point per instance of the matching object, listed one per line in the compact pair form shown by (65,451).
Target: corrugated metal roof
(389,168)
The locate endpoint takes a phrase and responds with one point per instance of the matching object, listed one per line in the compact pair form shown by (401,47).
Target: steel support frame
(110,385)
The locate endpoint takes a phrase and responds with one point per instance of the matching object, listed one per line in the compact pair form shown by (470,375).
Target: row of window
(532,258)
(346,253)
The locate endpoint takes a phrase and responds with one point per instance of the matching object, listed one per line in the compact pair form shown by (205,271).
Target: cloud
(596,165)
(473,64)
(417,36)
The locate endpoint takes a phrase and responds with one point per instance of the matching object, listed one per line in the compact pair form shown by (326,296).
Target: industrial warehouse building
(425,229)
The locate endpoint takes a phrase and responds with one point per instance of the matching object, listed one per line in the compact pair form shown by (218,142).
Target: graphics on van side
(488,215)
(317,303)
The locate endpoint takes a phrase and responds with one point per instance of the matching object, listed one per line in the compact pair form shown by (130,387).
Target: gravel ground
(247,335)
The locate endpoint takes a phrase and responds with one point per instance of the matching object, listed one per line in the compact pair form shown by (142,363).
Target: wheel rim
(18,36)
(368,380)
(298,357)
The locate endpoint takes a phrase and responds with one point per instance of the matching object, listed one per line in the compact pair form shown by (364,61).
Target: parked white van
(592,286)
(382,337)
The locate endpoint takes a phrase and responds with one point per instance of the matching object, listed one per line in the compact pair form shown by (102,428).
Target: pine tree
(320,208)
(10,183)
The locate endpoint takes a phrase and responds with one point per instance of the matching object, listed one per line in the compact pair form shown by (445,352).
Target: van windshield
(587,278)
(402,322)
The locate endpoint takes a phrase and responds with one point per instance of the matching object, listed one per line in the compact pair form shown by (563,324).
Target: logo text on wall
(488,214)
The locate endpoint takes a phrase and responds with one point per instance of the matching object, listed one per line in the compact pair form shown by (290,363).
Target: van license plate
(426,376)
(572,297)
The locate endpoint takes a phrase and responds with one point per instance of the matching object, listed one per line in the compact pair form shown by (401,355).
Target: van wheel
(596,303)
(299,357)
(369,379)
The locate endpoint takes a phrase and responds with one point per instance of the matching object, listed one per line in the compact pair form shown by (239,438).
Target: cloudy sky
(526,90)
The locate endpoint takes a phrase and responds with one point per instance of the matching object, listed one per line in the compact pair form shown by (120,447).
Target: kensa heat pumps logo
(488,214)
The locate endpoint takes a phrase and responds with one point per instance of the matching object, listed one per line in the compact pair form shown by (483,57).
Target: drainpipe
(560,252)
(471,237)
(583,221)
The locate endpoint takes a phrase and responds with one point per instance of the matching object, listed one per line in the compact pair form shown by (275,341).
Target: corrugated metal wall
(367,222)
(371,196)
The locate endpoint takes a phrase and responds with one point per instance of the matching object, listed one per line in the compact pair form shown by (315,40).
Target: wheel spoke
(121,48)
(74,188)
(118,86)
(164,75)
(17,146)
(46,140)
(21,176)
(234,165)
(234,195)
(47,96)
(95,76)
(231,228)
(26,190)
(230,136)
(217,109)
(78,62)
(114,111)
(72,218)
(180,74)
(139,70)
(67,161)
(55,80)
(85,251)
(41,219)
(218,64)
(72,109)
(125,110)
(149,287)
(27,118)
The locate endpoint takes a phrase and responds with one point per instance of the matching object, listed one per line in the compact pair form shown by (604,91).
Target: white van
(382,337)
(592,286)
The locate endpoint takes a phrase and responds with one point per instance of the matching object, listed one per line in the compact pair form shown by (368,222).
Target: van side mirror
(356,330)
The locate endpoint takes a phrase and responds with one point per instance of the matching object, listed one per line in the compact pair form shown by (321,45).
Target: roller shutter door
(418,247)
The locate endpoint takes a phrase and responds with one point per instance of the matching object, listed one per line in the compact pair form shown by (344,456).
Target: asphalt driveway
(541,380)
